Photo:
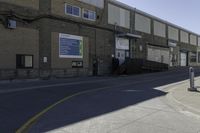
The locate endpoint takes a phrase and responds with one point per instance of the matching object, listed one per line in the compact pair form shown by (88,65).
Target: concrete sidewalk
(185,100)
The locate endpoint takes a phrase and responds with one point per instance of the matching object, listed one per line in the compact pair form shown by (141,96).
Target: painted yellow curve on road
(33,120)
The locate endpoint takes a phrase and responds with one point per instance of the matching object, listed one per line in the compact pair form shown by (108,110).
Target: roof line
(151,16)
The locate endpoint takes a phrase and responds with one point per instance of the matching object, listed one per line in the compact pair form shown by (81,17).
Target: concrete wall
(173,33)
(97,3)
(98,44)
(58,7)
(18,41)
(66,63)
(193,39)
(26,3)
(159,29)
(184,37)
(142,23)
(119,16)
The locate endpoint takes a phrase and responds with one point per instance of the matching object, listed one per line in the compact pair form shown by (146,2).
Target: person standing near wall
(115,64)
(95,67)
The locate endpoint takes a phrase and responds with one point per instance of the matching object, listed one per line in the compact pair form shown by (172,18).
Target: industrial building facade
(64,38)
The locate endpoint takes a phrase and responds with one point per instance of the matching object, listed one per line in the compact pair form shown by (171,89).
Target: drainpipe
(115,35)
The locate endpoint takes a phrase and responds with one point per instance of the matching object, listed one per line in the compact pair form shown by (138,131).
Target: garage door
(183,59)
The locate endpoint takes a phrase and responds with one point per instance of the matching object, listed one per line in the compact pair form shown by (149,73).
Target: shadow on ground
(100,103)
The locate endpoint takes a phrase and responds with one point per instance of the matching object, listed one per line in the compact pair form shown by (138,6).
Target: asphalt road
(21,101)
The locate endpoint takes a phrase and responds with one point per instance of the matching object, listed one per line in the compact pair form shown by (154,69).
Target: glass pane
(28,61)
(92,15)
(193,57)
(86,14)
(76,11)
(69,9)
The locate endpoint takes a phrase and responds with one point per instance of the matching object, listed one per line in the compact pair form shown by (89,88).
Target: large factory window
(24,61)
(193,57)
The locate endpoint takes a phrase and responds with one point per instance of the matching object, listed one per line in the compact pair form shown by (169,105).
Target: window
(24,61)
(193,57)
(198,57)
(72,10)
(88,14)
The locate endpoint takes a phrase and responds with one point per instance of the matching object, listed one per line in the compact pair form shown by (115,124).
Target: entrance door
(121,56)
(122,49)
(183,59)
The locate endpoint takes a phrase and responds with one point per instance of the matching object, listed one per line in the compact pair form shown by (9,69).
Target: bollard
(191,77)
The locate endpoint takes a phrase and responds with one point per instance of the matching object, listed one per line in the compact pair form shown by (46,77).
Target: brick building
(63,38)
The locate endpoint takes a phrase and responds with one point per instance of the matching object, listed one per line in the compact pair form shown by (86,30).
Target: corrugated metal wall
(142,23)
(159,29)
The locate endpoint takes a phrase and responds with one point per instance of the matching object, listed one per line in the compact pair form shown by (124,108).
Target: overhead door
(183,59)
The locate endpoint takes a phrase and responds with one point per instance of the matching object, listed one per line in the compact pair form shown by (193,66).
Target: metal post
(191,76)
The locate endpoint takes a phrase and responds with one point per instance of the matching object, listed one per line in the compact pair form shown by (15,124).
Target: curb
(180,106)
(183,108)
(18,81)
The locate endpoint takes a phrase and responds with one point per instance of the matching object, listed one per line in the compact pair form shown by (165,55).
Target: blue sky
(184,13)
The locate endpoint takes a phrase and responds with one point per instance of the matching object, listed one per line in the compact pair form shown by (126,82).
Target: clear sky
(184,13)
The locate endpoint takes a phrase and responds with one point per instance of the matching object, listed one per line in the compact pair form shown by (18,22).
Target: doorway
(120,55)
(183,59)
(122,49)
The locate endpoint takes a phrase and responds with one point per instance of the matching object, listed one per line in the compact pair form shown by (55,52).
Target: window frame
(83,11)
(192,55)
(78,16)
(24,58)
(198,56)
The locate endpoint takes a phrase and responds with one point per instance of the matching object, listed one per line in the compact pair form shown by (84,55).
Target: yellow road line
(24,128)
(30,122)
